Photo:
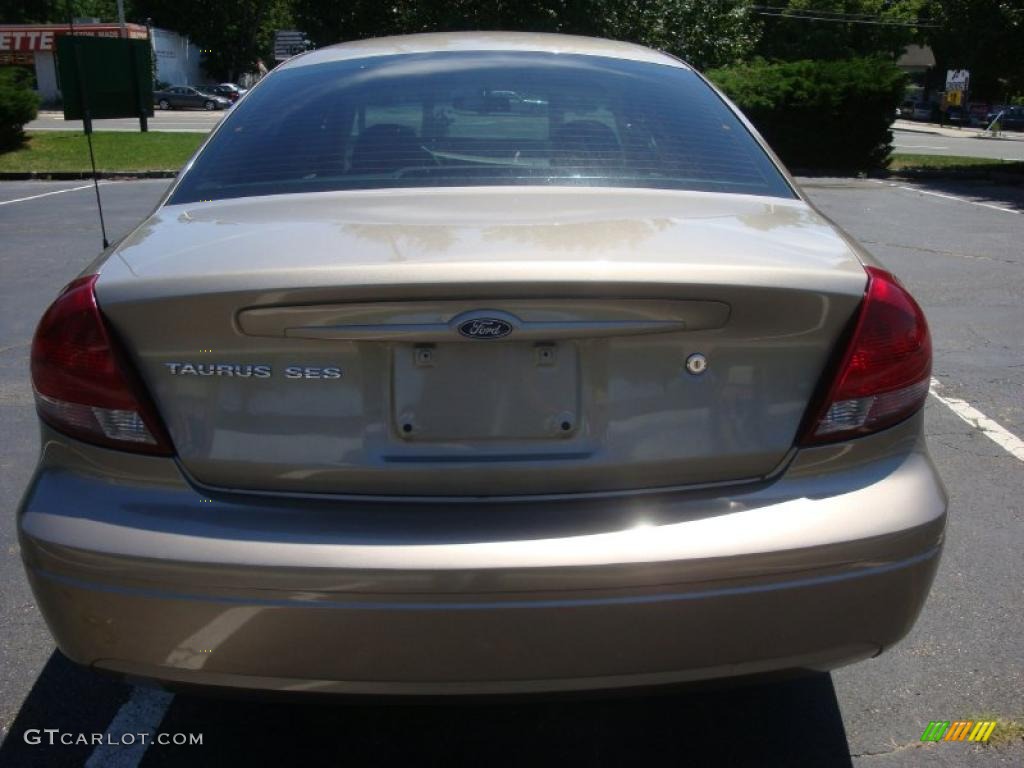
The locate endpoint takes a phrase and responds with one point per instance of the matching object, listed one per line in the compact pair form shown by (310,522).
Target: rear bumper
(399,646)
(139,573)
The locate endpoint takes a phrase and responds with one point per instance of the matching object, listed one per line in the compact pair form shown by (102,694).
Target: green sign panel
(105,77)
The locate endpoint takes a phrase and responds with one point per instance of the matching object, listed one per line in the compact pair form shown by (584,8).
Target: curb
(77,175)
(996,177)
(998,138)
(951,174)
(914,130)
(970,133)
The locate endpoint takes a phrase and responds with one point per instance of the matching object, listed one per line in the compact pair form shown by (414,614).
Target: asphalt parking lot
(958,248)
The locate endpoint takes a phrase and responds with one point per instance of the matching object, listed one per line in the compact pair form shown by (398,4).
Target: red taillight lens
(83,385)
(883,376)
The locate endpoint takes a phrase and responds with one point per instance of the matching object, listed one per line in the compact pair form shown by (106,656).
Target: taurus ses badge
(485,328)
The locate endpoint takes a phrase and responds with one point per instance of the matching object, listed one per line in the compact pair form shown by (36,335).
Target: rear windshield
(480,119)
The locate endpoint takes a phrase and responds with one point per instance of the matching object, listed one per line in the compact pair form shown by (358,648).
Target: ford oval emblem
(485,328)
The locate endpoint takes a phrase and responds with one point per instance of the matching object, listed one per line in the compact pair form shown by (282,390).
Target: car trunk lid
(463,342)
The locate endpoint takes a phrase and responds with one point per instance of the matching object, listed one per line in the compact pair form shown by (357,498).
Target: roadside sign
(958,79)
(102,77)
(288,43)
(24,38)
(954,98)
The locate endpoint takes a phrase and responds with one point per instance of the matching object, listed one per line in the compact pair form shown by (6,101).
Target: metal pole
(965,100)
(139,106)
(124,36)
(95,180)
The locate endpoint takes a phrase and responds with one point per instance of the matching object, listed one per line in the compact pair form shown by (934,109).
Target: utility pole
(142,123)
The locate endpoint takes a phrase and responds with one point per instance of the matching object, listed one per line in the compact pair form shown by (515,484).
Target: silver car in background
(481,363)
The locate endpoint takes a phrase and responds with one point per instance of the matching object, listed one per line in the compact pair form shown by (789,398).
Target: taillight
(884,373)
(83,385)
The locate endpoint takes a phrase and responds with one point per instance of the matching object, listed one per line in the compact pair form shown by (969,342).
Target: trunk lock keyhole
(696,363)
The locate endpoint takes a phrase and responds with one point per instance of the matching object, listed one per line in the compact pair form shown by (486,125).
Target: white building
(177,59)
(32,47)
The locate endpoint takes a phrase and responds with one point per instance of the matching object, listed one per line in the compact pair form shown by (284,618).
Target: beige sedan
(481,363)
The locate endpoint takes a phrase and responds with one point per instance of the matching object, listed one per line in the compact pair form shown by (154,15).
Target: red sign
(26,39)
(29,38)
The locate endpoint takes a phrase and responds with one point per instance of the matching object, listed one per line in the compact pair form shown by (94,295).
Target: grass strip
(115,151)
(904,162)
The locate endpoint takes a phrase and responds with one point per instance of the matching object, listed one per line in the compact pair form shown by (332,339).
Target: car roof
(438,42)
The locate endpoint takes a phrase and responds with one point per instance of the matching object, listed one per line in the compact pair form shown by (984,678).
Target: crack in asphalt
(893,749)
(961,449)
(938,251)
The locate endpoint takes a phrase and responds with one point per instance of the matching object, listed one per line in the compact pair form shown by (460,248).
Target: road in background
(912,139)
(955,245)
(179,121)
(920,143)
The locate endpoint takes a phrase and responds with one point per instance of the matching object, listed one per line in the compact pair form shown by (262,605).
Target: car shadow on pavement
(790,723)
(69,698)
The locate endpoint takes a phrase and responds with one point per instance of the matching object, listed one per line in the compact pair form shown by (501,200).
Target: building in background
(916,61)
(32,47)
(177,59)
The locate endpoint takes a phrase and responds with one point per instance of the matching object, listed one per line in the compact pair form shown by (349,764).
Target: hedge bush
(819,115)
(18,105)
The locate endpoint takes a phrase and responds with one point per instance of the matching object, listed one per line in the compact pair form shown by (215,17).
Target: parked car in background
(229,91)
(978,112)
(922,110)
(1010,118)
(957,116)
(189,97)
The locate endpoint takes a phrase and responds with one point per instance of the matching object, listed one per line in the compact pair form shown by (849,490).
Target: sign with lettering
(957,79)
(288,43)
(25,38)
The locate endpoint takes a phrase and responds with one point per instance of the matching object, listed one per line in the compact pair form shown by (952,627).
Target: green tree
(705,33)
(984,36)
(821,115)
(59,11)
(713,34)
(18,105)
(232,34)
(839,29)
(31,11)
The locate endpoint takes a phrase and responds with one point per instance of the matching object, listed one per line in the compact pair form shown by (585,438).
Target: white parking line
(920,191)
(991,429)
(55,192)
(142,713)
